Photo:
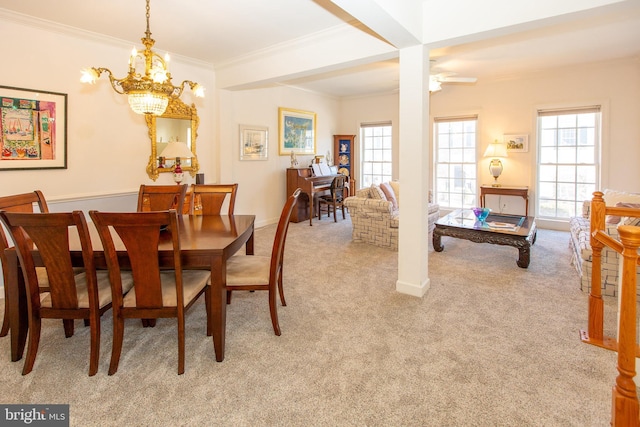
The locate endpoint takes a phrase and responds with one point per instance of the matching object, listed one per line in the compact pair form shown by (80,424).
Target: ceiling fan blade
(459,79)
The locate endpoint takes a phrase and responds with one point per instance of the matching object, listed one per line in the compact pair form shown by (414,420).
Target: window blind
(455,119)
(374,125)
(573,110)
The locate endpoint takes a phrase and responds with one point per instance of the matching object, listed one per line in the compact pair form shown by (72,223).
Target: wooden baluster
(624,408)
(596,305)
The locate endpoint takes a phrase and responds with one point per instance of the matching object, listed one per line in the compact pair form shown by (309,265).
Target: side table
(505,191)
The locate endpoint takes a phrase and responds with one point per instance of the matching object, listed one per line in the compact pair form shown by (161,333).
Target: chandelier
(148,93)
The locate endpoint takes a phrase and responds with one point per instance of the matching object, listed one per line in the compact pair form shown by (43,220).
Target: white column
(415,169)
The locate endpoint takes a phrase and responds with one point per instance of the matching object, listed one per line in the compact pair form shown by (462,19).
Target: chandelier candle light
(148,93)
(495,150)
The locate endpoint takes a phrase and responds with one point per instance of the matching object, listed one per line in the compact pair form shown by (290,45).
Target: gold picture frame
(296,132)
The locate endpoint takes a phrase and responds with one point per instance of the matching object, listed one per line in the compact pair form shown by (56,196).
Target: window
(568,146)
(455,161)
(376,154)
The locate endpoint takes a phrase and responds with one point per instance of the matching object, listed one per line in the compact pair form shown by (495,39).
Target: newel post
(624,406)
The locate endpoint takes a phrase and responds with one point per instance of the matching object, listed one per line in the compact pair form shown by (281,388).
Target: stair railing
(624,409)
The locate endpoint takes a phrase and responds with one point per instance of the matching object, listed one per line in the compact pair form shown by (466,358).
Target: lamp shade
(496,149)
(176,149)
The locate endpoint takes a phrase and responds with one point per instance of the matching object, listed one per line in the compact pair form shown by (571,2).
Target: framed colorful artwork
(254,142)
(296,132)
(517,143)
(33,125)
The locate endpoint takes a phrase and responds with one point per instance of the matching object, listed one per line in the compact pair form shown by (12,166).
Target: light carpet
(490,344)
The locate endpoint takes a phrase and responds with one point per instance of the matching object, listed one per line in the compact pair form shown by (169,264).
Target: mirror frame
(175,110)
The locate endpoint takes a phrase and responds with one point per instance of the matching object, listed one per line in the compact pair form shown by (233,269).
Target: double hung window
(568,149)
(455,144)
(376,149)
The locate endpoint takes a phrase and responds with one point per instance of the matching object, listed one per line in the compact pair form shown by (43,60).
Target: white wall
(262,184)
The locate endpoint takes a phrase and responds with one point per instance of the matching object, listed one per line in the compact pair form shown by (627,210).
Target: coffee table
(510,230)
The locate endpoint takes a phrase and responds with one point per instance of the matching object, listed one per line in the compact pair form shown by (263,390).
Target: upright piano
(304,179)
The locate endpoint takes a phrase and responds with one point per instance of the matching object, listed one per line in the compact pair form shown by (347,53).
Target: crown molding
(67,30)
(342,30)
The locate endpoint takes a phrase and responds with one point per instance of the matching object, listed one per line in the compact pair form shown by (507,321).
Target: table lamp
(495,150)
(177,150)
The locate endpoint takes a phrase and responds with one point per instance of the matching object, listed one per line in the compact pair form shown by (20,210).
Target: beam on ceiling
(400,23)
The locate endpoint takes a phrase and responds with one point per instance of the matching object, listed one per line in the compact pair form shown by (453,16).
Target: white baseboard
(412,289)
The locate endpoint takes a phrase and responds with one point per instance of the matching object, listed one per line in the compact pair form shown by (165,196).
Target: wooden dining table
(206,241)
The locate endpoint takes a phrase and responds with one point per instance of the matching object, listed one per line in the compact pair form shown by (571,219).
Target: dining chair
(207,199)
(264,273)
(162,198)
(18,203)
(70,296)
(334,199)
(156,293)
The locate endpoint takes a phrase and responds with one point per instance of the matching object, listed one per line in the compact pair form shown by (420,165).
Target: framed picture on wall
(296,132)
(254,142)
(33,129)
(517,143)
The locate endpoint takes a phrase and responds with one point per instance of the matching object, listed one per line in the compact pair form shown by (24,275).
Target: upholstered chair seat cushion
(193,282)
(248,269)
(104,288)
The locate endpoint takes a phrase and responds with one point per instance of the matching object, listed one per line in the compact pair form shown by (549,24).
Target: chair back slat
(153,198)
(53,246)
(337,187)
(208,199)
(141,234)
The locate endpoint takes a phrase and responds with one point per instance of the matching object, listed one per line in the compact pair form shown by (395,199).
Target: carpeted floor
(490,344)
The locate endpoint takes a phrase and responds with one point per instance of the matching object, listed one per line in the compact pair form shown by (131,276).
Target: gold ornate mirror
(178,123)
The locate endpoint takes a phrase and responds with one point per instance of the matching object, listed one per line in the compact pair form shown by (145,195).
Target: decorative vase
(481,213)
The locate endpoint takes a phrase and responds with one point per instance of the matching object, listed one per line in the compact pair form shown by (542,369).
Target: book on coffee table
(502,225)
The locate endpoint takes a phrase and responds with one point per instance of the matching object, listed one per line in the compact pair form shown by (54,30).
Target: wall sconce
(495,150)
(177,150)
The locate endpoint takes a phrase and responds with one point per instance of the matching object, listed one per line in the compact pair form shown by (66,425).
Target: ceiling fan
(436,80)
(438,77)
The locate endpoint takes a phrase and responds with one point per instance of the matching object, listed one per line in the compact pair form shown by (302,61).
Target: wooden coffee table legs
(437,242)
(522,243)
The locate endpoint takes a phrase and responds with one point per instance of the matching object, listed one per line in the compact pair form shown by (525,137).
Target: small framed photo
(296,132)
(33,129)
(254,142)
(517,143)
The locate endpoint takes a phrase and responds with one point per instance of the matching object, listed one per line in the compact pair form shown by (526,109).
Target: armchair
(580,244)
(375,214)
